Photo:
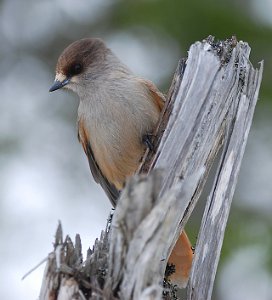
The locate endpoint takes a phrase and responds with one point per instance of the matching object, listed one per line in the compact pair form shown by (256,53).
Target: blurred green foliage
(189,21)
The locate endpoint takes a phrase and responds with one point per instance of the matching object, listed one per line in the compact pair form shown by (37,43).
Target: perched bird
(117,113)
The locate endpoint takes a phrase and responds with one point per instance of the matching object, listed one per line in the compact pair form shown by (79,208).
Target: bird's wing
(157,96)
(111,191)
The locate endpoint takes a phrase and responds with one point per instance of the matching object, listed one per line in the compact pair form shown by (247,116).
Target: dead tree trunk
(210,107)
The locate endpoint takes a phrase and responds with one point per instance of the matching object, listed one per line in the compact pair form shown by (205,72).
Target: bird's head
(79,63)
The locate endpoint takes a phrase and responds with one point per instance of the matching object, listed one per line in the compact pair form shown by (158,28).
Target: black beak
(59,84)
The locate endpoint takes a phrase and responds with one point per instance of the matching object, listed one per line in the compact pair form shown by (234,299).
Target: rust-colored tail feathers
(181,257)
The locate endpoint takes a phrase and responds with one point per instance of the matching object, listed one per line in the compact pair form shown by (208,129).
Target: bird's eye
(75,69)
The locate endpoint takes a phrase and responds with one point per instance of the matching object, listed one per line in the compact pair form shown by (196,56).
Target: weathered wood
(216,213)
(209,110)
(210,104)
(143,224)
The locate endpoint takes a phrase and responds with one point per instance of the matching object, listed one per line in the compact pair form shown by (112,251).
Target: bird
(117,114)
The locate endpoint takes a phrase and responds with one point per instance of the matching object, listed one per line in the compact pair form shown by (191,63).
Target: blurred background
(44,173)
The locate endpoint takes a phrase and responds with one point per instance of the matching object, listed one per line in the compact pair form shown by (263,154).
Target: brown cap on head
(77,58)
(79,55)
